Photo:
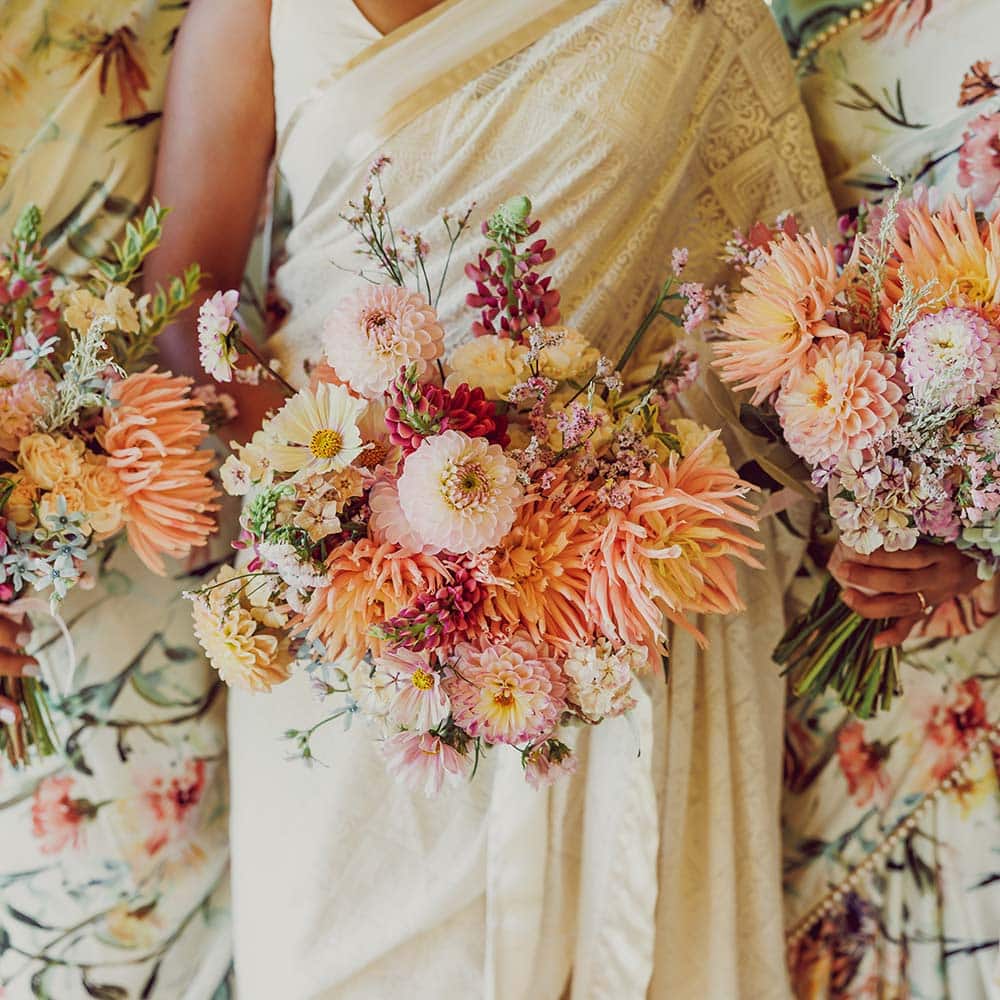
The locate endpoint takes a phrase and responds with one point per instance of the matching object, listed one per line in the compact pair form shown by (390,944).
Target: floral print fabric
(892,826)
(113,855)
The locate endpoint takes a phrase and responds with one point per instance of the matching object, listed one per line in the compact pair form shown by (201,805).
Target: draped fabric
(113,854)
(634,126)
(892,825)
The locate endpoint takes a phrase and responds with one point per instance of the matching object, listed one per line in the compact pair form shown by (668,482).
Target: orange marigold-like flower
(151,437)
(544,557)
(367,583)
(672,551)
(778,315)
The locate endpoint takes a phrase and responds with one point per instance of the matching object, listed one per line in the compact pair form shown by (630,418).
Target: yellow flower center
(467,485)
(504,696)
(820,395)
(326,443)
(422,680)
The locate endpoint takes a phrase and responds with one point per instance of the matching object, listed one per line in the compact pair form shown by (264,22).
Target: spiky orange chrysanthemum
(366,584)
(152,436)
(778,315)
(952,251)
(672,551)
(544,557)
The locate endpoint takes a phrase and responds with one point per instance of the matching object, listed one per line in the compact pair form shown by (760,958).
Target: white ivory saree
(633,126)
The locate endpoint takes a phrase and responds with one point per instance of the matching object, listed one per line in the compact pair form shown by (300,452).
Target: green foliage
(141,238)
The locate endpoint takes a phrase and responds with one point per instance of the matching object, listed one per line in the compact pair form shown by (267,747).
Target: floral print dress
(113,855)
(892,853)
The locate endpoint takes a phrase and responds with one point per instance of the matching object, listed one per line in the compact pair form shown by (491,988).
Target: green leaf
(38,989)
(102,991)
(763,423)
(25,918)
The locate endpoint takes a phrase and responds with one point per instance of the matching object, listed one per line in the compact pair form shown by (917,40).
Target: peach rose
(49,458)
(102,496)
(20,506)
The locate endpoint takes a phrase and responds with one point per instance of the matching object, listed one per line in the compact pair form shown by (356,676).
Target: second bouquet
(480,549)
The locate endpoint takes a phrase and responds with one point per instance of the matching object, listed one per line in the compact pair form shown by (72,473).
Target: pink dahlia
(379,330)
(217,348)
(423,760)
(510,691)
(979,159)
(388,523)
(418,700)
(950,358)
(783,309)
(23,396)
(459,494)
(844,399)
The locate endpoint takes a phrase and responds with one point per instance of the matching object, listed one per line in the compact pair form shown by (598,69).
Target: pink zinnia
(507,692)
(979,159)
(379,330)
(423,760)
(844,399)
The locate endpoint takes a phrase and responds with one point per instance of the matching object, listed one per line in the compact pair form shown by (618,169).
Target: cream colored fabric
(634,127)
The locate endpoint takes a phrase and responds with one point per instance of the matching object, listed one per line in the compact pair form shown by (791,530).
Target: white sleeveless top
(340,33)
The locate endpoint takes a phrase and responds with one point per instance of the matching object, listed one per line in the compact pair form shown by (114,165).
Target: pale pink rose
(511,691)
(377,331)
(459,494)
(979,159)
(423,760)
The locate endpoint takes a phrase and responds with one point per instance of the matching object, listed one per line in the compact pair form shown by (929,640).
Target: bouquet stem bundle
(830,647)
(32,733)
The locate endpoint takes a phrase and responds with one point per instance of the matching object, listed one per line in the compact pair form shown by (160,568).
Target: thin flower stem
(259,358)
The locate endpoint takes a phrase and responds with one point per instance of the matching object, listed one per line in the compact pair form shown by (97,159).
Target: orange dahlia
(366,584)
(955,252)
(778,315)
(544,557)
(671,551)
(151,437)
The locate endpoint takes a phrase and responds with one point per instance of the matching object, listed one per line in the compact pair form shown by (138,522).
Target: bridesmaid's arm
(215,150)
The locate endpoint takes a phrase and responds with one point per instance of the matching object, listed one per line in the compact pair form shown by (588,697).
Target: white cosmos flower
(317,429)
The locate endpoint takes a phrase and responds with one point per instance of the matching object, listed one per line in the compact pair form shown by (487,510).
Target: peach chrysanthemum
(672,551)
(366,583)
(952,251)
(544,557)
(151,437)
(846,399)
(245,652)
(510,691)
(377,331)
(779,314)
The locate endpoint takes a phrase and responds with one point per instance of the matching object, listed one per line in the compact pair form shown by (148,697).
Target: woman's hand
(14,633)
(901,585)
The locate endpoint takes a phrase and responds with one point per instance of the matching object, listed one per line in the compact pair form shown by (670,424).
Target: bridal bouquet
(95,444)
(476,548)
(881,372)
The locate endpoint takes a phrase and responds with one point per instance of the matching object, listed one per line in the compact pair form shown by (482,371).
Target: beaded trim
(822,37)
(834,899)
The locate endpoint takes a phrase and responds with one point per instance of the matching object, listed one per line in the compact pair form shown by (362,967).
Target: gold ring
(923,603)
